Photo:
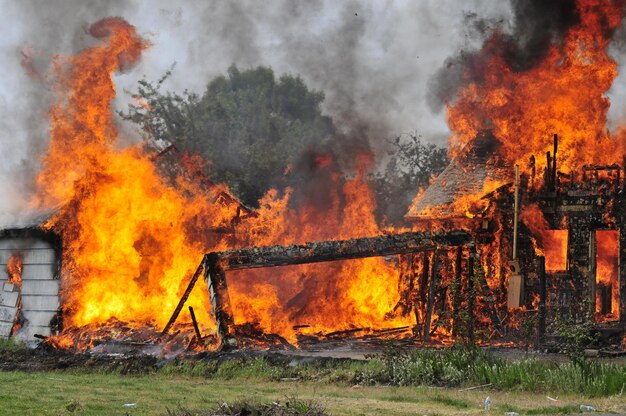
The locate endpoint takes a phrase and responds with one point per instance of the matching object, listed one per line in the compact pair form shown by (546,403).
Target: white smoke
(373,60)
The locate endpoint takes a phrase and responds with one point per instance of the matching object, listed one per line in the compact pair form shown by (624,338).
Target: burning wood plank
(358,248)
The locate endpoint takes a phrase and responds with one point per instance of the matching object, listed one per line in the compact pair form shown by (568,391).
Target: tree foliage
(248,124)
(411,166)
(252,126)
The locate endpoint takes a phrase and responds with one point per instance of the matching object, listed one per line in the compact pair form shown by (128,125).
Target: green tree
(411,165)
(248,124)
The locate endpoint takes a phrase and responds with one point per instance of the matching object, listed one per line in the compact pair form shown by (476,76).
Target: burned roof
(469,177)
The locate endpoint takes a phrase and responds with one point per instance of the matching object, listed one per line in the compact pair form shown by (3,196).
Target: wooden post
(471,302)
(622,271)
(220,301)
(195,324)
(541,270)
(419,306)
(516,212)
(554,171)
(548,172)
(516,281)
(593,267)
(431,295)
(487,293)
(456,295)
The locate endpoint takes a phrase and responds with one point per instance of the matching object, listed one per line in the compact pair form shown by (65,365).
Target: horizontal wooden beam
(324,251)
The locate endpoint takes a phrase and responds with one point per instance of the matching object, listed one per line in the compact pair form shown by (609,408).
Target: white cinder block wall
(40,278)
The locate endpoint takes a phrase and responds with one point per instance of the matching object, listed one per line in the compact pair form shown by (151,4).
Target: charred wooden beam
(431,295)
(541,269)
(593,266)
(622,271)
(554,168)
(215,276)
(456,293)
(358,248)
(216,264)
(195,324)
(420,306)
(471,302)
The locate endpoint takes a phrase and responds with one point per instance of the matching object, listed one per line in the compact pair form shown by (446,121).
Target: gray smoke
(374,60)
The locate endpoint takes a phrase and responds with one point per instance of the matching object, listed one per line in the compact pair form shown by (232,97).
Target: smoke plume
(385,65)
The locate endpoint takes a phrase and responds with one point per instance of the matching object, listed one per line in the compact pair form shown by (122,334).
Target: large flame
(564,94)
(126,236)
(132,238)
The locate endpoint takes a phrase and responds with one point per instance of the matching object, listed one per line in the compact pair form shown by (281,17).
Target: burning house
(519,227)
(552,240)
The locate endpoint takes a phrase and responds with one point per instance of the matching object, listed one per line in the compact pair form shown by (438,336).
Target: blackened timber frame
(216,264)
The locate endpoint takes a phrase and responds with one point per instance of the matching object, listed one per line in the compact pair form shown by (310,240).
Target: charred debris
(495,275)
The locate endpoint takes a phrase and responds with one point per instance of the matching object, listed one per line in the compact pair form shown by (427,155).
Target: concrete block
(39,256)
(5,329)
(30,256)
(40,303)
(7,314)
(40,287)
(9,299)
(37,318)
(39,272)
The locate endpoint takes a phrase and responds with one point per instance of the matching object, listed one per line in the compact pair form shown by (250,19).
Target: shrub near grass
(11,345)
(458,366)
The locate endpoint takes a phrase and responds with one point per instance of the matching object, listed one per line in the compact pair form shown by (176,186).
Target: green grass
(66,393)
(425,381)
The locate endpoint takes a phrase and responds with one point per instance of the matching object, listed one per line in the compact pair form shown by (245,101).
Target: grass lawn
(65,393)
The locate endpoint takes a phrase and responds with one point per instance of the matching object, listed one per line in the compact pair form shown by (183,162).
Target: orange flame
(127,246)
(131,237)
(551,243)
(564,94)
(14,269)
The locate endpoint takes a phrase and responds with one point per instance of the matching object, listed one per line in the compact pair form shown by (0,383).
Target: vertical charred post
(579,265)
(194,321)
(433,272)
(419,306)
(591,279)
(622,271)
(215,277)
(541,271)
(456,293)
(554,175)
(471,302)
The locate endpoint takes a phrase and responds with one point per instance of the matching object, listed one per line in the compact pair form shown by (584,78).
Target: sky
(373,60)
